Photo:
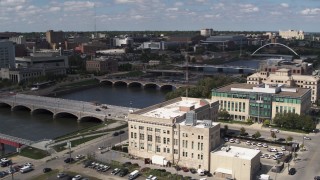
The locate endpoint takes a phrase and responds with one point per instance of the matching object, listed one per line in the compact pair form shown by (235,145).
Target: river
(39,126)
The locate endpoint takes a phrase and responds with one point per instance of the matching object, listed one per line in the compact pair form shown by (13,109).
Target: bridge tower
(1,147)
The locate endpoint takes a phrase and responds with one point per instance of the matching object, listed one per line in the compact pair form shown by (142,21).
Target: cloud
(284,5)
(77,5)
(128,1)
(308,11)
(11,2)
(54,9)
(178,4)
(172,9)
(248,8)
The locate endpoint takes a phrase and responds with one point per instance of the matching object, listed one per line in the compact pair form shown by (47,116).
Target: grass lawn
(75,143)
(47,175)
(33,153)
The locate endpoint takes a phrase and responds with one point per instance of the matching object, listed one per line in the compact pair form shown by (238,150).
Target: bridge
(144,83)
(254,53)
(13,141)
(63,107)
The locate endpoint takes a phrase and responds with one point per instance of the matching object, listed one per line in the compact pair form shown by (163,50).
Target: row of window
(233,106)
(186,135)
(151,129)
(285,109)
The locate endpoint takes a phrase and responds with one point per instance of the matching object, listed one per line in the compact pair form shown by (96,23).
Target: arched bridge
(144,83)
(60,107)
(274,44)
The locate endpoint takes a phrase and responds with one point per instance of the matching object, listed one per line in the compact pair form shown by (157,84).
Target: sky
(166,15)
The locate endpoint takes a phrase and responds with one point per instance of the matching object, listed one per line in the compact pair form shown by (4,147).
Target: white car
(262,155)
(149,177)
(274,130)
(283,148)
(226,139)
(273,150)
(80,156)
(267,156)
(265,145)
(248,143)
(77,177)
(257,148)
(28,164)
(237,141)
(259,145)
(4,160)
(231,141)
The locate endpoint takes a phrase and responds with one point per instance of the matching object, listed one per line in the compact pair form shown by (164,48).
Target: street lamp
(259,102)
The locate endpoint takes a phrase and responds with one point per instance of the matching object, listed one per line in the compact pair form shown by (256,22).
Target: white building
(292,34)
(153,45)
(180,131)
(235,162)
(18,39)
(119,42)
(7,54)
(206,32)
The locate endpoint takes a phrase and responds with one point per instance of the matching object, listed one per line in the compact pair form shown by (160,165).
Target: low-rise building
(261,101)
(292,34)
(235,162)
(102,65)
(285,76)
(179,130)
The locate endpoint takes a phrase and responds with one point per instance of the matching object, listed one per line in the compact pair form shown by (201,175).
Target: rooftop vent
(191,118)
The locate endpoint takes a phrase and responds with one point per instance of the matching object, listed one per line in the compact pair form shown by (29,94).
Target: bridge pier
(1,147)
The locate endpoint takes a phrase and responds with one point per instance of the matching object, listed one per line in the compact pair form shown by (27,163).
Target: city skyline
(135,15)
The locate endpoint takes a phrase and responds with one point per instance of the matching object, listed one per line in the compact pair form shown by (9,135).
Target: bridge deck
(16,139)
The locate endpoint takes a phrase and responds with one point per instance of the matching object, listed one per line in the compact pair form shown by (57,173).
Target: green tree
(273,135)
(223,114)
(289,138)
(266,122)
(242,131)
(256,135)
(226,128)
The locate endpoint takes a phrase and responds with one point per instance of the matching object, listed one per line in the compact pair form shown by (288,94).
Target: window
(201,137)
(164,131)
(135,135)
(164,140)
(168,150)
(192,144)
(141,127)
(191,155)
(175,142)
(175,132)
(141,145)
(186,144)
(157,148)
(131,126)
(158,139)
(149,147)
(201,156)
(175,151)
(198,156)
(198,146)
(168,140)
(141,136)
(131,134)
(164,149)
(201,146)
(198,136)
(157,130)
(149,137)
(149,129)
(182,143)
(168,132)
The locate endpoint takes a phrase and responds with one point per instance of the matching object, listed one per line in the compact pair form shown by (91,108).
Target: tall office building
(54,38)
(7,54)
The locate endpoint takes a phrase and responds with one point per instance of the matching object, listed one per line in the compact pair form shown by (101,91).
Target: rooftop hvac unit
(207,123)
(191,118)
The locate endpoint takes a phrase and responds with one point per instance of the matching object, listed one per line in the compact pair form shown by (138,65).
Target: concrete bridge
(61,107)
(13,141)
(144,83)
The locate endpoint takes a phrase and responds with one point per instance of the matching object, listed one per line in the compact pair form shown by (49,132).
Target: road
(307,167)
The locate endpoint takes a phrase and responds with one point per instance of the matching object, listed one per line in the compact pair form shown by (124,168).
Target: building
(296,67)
(102,65)
(55,38)
(122,42)
(292,34)
(206,32)
(153,45)
(18,39)
(179,130)
(235,163)
(7,54)
(262,101)
(226,39)
(289,78)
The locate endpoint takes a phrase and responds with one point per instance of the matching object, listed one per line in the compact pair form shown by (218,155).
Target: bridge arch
(42,111)
(107,82)
(65,114)
(167,86)
(20,107)
(275,44)
(120,83)
(151,86)
(91,119)
(135,84)
(3,104)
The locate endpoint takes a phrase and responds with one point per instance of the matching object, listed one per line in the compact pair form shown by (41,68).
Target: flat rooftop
(239,152)
(172,110)
(299,93)
(200,124)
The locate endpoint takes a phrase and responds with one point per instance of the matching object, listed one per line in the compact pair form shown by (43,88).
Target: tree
(273,135)
(266,122)
(226,128)
(242,131)
(249,121)
(289,138)
(256,135)
(223,114)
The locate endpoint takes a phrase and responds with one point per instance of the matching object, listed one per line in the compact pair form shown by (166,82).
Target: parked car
(237,141)
(115,134)
(193,171)
(61,175)
(273,150)
(248,143)
(317,178)
(231,141)
(259,144)
(274,130)
(262,155)
(283,148)
(265,145)
(267,156)
(77,177)
(292,171)
(69,160)
(115,171)
(178,168)
(306,138)
(79,156)
(4,160)
(45,170)
(123,172)
(121,132)
(185,169)
(226,139)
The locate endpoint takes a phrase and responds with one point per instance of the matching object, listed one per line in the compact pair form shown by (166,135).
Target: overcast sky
(221,15)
